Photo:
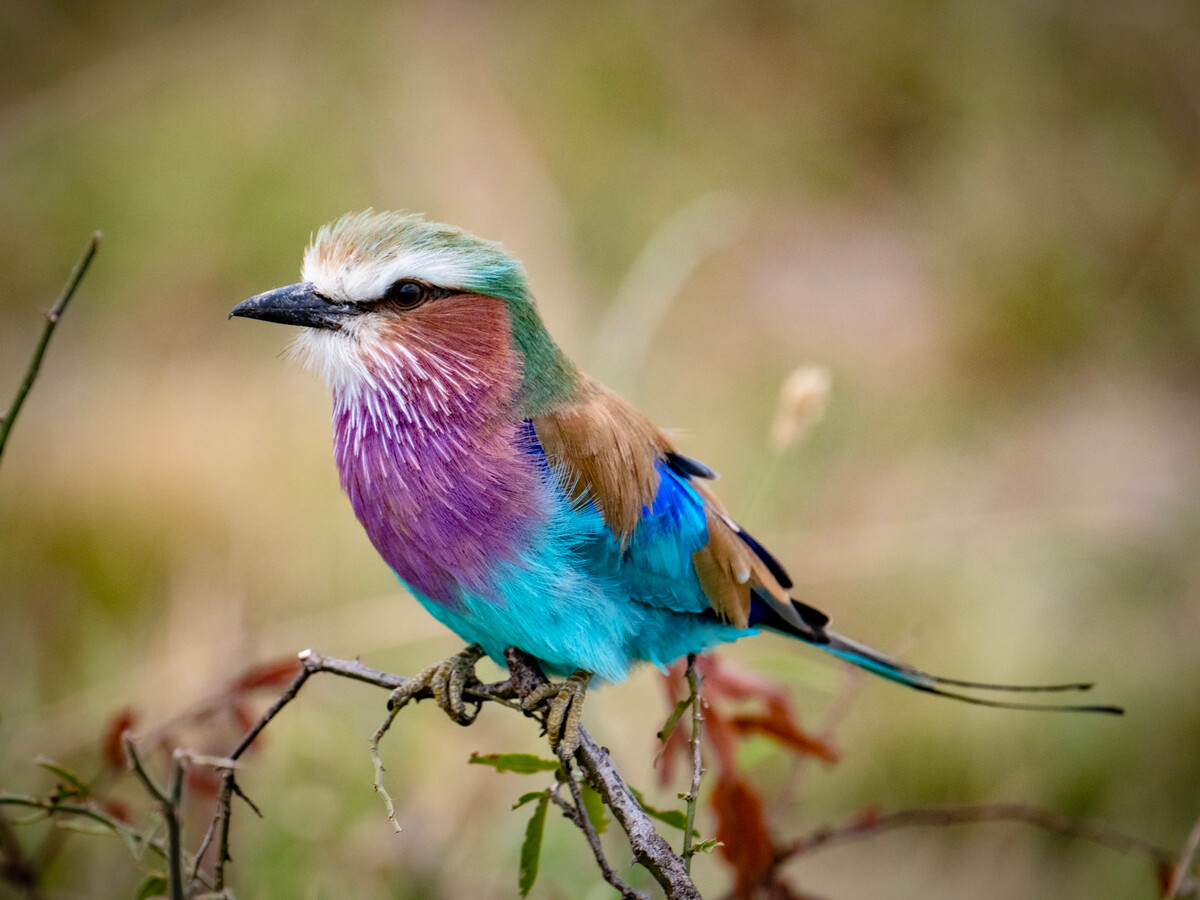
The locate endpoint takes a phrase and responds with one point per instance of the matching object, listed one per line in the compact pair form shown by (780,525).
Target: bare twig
(649,848)
(865,827)
(129,835)
(229,785)
(579,816)
(1180,870)
(377,764)
(52,317)
(168,802)
(15,867)
(853,679)
(694,680)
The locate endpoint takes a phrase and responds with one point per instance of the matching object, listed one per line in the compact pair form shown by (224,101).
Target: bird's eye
(406,294)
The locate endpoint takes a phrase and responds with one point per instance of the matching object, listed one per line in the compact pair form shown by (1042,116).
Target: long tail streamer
(873,661)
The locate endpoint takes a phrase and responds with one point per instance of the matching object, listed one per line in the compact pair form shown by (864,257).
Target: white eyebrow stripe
(358,280)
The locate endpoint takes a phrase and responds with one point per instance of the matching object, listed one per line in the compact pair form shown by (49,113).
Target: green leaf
(83,826)
(532,795)
(531,850)
(521,763)
(705,846)
(673,719)
(676,818)
(153,886)
(71,785)
(593,804)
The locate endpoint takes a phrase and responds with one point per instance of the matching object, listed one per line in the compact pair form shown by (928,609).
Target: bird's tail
(872,661)
(808,624)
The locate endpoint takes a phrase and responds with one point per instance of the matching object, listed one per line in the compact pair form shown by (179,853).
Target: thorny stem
(52,317)
(229,785)
(694,680)
(377,763)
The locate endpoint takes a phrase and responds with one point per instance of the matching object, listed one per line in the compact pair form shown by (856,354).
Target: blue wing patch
(655,565)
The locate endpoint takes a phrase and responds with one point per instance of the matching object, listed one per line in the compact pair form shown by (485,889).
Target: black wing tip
(688,467)
(778,572)
(811,616)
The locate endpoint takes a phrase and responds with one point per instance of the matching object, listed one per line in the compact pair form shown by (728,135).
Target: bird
(521,502)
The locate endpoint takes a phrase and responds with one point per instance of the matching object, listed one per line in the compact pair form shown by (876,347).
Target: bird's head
(380,288)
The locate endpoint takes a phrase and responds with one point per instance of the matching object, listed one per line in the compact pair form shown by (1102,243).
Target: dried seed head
(802,399)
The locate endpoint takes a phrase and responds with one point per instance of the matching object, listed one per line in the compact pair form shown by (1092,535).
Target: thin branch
(15,867)
(962,815)
(129,835)
(694,680)
(578,815)
(1180,871)
(852,680)
(52,317)
(168,801)
(377,765)
(649,848)
(229,785)
(174,833)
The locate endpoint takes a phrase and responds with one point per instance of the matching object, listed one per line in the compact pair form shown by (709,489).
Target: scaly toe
(447,681)
(566,712)
(539,695)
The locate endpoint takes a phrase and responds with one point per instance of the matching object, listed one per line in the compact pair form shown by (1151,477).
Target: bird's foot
(446,680)
(566,710)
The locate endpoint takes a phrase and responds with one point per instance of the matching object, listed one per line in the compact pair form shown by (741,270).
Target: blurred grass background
(983,218)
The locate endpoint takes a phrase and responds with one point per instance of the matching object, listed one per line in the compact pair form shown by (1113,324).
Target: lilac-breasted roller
(522,503)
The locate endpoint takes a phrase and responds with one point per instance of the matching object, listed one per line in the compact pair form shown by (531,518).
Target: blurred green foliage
(982,217)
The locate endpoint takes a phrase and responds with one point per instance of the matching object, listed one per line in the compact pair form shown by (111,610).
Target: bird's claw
(446,680)
(566,710)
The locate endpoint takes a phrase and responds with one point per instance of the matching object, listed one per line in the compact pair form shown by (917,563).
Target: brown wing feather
(607,451)
(728,569)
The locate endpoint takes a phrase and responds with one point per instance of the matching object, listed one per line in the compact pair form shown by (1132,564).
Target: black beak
(296,304)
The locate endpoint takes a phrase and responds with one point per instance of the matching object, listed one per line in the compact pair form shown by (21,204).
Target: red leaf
(203,781)
(1163,873)
(111,750)
(118,809)
(867,817)
(745,842)
(725,679)
(268,674)
(778,723)
(675,681)
(242,716)
(778,890)
(720,733)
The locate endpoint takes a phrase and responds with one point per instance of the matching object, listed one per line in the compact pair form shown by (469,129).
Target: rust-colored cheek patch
(467,334)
